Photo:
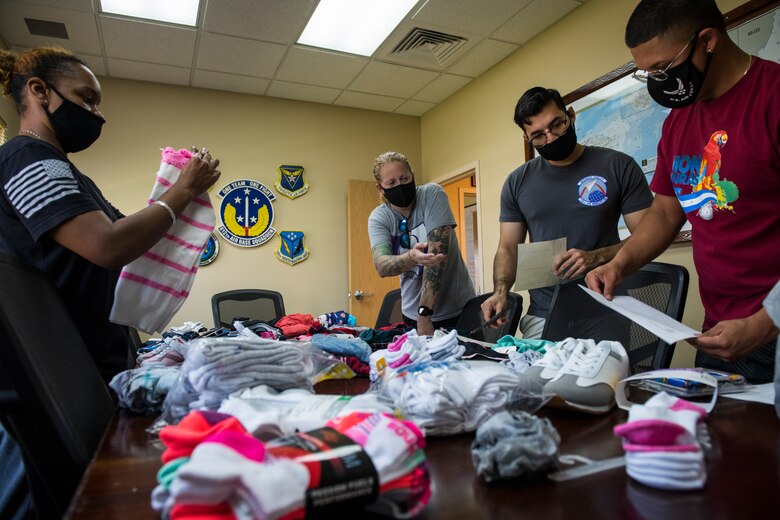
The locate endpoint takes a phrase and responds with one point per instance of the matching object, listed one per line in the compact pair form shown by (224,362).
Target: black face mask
(401,195)
(76,127)
(561,148)
(682,86)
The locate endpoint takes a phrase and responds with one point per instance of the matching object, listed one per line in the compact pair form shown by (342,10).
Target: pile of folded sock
(142,390)
(214,468)
(296,409)
(410,348)
(662,439)
(215,368)
(446,398)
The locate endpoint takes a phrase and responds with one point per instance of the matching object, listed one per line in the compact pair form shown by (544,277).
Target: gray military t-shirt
(582,202)
(431,211)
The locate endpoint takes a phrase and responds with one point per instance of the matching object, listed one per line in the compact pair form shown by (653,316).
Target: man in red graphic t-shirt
(719,168)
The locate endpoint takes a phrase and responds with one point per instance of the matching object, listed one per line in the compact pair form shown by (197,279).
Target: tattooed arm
(388,264)
(433,275)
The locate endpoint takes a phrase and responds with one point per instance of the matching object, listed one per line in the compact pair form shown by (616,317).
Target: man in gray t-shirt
(570,191)
(412,237)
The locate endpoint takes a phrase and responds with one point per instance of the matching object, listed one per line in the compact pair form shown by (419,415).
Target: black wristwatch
(424,311)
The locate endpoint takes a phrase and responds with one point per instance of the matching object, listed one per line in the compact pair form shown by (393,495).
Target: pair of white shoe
(581,373)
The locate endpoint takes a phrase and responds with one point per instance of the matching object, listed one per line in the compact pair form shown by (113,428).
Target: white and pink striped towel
(154,286)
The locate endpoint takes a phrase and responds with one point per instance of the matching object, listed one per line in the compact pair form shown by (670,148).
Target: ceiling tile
(282,22)
(229,82)
(368,101)
(144,41)
(148,72)
(441,88)
(414,108)
(95,64)
(392,80)
(483,56)
(78,5)
(534,19)
(469,15)
(238,55)
(319,67)
(82,31)
(303,92)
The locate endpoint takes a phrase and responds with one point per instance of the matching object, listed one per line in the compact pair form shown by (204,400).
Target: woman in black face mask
(54,218)
(411,237)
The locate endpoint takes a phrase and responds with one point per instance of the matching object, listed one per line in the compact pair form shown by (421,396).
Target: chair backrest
(62,405)
(390,312)
(253,304)
(471,318)
(575,314)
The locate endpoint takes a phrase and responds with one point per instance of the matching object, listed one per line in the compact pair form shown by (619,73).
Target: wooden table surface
(743,472)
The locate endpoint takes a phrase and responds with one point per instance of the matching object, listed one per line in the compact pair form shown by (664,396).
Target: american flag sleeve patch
(40,184)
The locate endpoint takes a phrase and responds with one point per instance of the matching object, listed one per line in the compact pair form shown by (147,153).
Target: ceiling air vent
(45,28)
(428,43)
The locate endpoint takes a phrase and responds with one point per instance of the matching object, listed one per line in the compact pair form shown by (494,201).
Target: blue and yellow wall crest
(246,213)
(291,249)
(291,181)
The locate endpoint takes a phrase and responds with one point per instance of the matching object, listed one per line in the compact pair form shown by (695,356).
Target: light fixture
(184,12)
(354,26)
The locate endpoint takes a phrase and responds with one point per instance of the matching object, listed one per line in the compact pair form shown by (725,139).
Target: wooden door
(366,287)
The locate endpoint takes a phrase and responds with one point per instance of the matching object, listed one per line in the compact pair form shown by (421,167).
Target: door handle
(359,295)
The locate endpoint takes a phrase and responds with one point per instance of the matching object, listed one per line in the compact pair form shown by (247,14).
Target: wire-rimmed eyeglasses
(558,130)
(662,75)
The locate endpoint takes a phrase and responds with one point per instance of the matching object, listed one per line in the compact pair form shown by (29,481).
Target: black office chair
(54,400)
(390,312)
(471,318)
(573,313)
(251,304)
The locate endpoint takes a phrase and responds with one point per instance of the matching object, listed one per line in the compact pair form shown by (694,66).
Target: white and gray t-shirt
(431,211)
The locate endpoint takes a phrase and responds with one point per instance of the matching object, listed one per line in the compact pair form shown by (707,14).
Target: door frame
(456,175)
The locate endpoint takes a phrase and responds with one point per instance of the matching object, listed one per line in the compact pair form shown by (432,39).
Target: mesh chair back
(390,312)
(471,318)
(63,405)
(575,314)
(253,304)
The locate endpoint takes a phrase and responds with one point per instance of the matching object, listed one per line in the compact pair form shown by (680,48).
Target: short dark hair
(46,63)
(653,18)
(533,101)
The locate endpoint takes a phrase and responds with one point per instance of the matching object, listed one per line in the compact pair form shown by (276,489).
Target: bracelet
(168,209)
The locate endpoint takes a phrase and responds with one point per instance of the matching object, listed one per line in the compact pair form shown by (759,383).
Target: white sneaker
(545,369)
(588,379)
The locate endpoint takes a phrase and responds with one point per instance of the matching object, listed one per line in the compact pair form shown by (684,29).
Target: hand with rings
(199,175)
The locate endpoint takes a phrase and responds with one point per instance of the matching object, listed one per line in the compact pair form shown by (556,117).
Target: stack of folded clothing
(296,409)
(410,348)
(662,439)
(142,390)
(445,398)
(215,368)
(214,468)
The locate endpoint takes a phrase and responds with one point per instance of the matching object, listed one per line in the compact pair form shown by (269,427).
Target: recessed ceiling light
(184,12)
(355,26)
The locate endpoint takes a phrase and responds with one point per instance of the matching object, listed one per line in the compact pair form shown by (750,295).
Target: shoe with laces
(545,369)
(588,379)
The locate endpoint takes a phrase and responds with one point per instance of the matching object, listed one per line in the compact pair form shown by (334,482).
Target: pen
(489,322)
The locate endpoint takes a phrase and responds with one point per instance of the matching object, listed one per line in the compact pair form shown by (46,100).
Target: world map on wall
(622,116)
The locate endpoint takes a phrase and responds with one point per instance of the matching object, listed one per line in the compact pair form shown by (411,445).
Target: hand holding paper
(666,328)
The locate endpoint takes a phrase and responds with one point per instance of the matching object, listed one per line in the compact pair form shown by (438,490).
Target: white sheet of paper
(666,328)
(757,393)
(534,264)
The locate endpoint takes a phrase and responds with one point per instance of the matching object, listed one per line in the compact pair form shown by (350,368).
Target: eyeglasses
(661,75)
(403,227)
(558,130)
